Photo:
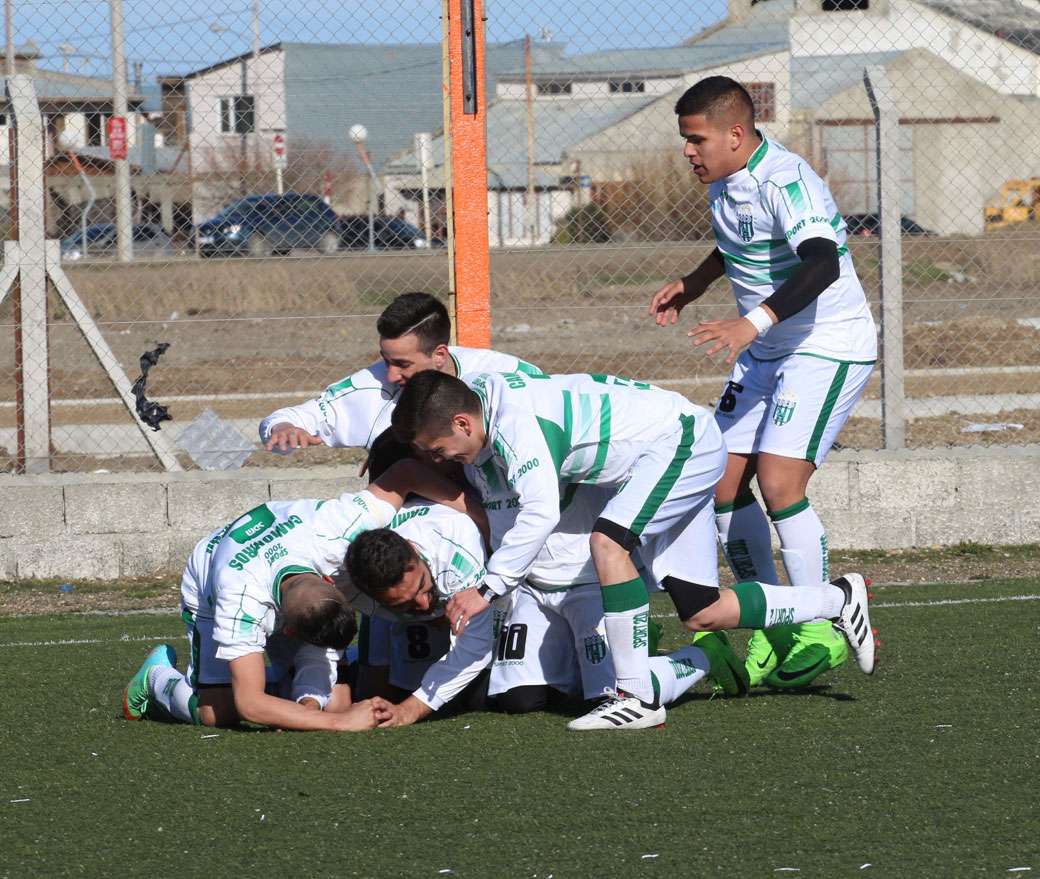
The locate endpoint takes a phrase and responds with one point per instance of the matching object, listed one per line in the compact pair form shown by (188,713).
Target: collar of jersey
(745,176)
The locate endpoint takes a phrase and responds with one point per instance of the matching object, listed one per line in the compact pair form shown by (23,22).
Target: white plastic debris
(214,444)
(654,855)
(995,427)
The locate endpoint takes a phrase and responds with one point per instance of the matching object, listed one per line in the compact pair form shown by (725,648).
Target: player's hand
(735,334)
(286,437)
(667,303)
(462,607)
(362,715)
(410,711)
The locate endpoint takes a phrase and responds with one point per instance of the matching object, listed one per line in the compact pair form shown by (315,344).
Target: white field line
(941,602)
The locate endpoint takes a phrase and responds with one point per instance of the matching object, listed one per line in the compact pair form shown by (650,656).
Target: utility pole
(9,31)
(124,239)
(531,202)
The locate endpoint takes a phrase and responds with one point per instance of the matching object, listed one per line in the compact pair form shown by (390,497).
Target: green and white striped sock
(763,605)
(169,690)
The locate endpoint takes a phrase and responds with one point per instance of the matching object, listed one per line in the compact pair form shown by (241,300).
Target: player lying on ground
(412,569)
(414,331)
(781,242)
(663,455)
(266,574)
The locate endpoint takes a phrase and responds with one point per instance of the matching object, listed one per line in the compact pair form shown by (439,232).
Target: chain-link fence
(287,179)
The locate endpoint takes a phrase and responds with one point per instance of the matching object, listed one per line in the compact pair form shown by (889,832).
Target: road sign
(117,137)
(279,157)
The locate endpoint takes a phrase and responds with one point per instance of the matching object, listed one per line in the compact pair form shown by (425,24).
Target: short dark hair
(716,95)
(418,313)
(428,403)
(377,560)
(386,451)
(327,623)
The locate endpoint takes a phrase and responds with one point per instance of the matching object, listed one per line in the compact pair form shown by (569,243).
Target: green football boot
(135,696)
(727,673)
(766,649)
(816,648)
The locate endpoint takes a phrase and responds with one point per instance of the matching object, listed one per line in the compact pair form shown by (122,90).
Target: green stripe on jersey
(760,262)
(797,195)
(758,155)
(604,438)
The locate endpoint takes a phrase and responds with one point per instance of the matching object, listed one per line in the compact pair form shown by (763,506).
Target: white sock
(675,673)
(744,534)
(170,690)
(764,605)
(803,544)
(626,618)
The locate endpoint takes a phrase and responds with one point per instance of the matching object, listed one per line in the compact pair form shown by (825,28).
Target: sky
(178,36)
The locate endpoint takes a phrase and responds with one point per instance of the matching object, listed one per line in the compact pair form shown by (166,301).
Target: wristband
(760,319)
(487,593)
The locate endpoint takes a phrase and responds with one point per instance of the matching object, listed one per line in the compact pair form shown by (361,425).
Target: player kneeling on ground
(663,455)
(260,585)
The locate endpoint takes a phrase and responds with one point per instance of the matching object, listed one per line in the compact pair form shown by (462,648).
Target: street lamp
(359,134)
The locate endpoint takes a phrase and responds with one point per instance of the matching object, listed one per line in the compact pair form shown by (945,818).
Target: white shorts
(794,406)
(554,638)
(294,669)
(668,503)
(408,648)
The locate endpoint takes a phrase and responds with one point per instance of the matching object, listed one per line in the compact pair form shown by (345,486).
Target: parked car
(261,225)
(869,225)
(390,233)
(149,240)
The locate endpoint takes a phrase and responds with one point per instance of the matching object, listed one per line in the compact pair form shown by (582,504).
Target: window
(95,123)
(626,86)
(237,115)
(763,97)
(844,5)
(554,87)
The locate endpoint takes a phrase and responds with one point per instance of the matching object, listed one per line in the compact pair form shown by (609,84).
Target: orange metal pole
(468,162)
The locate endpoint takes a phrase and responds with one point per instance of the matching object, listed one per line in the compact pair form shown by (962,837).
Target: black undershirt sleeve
(816,272)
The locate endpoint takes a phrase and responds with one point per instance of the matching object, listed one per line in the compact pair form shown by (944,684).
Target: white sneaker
(854,620)
(619,711)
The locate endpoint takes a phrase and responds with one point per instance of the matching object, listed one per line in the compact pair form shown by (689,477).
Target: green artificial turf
(929,768)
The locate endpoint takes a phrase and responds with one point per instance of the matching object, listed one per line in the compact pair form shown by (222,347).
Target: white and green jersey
(354,411)
(760,216)
(234,576)
(447,541)
(544,432)
(449,544)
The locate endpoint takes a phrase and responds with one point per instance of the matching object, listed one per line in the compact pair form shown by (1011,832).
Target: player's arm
(676,295)
(533,476)
(409,476)
(449,675)
(315,671)
(343,416)
(254,705)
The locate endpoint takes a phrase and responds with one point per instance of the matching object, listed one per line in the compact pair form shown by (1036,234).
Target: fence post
(467,183)
(32,372)
(886,127)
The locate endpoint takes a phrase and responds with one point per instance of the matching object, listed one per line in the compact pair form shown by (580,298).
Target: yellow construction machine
(1018,202)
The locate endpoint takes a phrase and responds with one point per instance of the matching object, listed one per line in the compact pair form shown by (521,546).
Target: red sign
(278,146)
(116,137)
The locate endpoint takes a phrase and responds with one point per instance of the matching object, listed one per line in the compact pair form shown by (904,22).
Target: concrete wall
(137,525)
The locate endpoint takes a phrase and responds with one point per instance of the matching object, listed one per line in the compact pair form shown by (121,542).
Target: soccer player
(781,242)
(401,576)
(663,455)
(411,569)
(414,331)
(265,574)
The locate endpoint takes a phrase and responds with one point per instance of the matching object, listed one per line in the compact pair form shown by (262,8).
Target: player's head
(317,612)
(386,567)
(717,119)
(414,331)
(440,416)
